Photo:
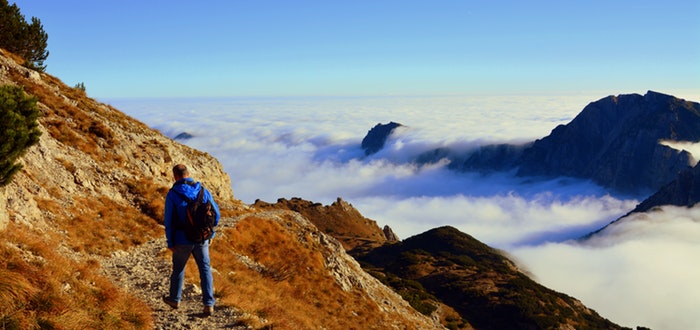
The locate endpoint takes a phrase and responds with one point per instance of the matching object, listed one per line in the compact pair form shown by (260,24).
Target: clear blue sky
(287,48)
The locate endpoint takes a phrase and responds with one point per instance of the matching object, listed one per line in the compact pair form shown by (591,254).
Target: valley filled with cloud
(638,272)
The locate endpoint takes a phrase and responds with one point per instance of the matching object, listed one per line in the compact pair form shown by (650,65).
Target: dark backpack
(199,219)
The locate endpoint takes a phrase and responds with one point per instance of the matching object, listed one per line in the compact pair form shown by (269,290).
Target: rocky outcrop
(389,234)
(377,136)
(615,143)
(340,220)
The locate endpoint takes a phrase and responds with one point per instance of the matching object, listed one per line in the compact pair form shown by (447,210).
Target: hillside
(450,275)
(83,246)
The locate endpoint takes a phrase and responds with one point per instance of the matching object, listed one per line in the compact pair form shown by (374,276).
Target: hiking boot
(208,310)
(169,302)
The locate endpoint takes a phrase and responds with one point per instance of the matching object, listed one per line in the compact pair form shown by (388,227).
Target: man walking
(180,246)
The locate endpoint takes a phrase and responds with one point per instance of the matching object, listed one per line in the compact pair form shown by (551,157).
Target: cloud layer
(640,271)
(310,148)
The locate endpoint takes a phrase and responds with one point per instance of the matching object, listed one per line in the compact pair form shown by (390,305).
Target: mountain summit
(615,142)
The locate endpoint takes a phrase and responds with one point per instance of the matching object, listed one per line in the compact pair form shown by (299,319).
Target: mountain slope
(483,286)
(91,194)
(683,191)
(452,276)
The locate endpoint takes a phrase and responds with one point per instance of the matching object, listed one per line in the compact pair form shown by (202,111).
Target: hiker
(176,213)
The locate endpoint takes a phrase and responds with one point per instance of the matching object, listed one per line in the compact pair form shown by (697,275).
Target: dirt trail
(145,272)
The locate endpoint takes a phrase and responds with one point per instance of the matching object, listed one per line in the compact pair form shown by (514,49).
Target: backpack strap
(200,195)
(200,198)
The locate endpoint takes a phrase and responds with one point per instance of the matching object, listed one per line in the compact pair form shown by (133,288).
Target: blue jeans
(201,255)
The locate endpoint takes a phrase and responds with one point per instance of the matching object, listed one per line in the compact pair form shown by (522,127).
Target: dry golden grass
(101,226)
(148,197)
(345,224)
(83,132)
(40,288)
(16,58)
(295,291)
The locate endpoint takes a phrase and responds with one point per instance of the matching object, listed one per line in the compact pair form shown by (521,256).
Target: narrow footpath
(144,272)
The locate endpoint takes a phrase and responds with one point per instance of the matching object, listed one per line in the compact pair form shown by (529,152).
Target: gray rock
(4,216)
(389,234)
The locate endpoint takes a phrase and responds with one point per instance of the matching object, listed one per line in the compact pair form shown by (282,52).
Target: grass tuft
(40,288)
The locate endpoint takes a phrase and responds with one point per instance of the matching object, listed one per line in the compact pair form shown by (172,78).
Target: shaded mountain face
(377,136)
(483,286)
(492,158)
(683,191)
(615,143)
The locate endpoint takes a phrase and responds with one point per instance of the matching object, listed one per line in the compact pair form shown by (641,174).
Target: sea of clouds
(640,272)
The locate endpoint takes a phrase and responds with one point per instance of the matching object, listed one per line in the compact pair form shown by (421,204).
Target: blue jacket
(175,209)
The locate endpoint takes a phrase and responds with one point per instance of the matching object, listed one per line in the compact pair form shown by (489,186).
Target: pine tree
(18,129)
(24,39)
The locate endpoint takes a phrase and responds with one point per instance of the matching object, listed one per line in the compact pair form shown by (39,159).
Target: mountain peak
(615,142)
(377,136)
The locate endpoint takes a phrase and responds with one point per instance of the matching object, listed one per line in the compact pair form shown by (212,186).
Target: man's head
(180,172)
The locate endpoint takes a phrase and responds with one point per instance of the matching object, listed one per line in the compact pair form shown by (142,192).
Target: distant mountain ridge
(614,142)
(683,191)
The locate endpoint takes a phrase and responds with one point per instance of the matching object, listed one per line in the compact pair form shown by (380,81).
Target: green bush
(18,129)
(28,40)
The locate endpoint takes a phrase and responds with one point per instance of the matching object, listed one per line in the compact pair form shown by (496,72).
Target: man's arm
(168,220)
